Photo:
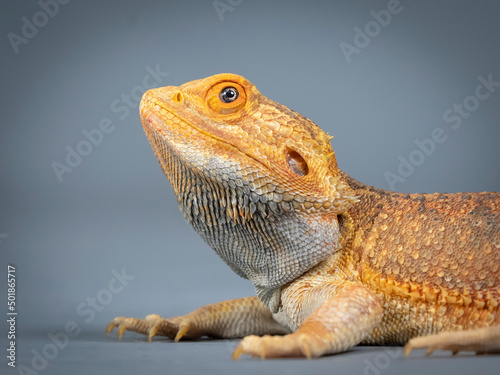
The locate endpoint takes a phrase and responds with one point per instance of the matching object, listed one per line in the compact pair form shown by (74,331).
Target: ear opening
(297,163)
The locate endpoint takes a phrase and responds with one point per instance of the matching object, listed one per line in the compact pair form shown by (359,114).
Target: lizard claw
(305,347)
(119,322)
(150,326)
(110,327)
(152,332)
(237,352)
(419,343)
(408,350)
(429,351)
(182,331)
(121,330)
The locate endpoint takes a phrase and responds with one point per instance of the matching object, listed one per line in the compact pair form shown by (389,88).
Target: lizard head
(258,181)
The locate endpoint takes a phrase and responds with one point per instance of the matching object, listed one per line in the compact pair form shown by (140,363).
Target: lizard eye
(226,98)
(228,94)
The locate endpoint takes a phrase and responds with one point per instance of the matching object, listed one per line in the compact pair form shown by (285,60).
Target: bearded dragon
(334,262)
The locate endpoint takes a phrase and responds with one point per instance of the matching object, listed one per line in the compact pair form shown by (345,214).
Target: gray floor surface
(93,353)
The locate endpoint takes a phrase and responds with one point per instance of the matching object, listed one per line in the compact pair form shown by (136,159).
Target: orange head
(224,116)
(258,181)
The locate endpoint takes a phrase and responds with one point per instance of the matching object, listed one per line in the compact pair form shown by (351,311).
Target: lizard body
(334,262)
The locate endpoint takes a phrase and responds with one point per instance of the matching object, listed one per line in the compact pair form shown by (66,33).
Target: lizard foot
(482,341)
(292,345)
(227,319)
(151,326)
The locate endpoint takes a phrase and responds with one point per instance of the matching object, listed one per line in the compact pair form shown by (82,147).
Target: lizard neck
(268,248)
(371,199)
(356,222)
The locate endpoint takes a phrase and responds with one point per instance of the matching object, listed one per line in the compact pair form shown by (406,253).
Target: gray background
(116,210)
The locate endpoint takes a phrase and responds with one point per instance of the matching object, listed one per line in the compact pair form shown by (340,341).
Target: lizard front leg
(341,322)
(228,319)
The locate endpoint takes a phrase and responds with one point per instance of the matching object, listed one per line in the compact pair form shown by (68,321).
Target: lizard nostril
(178,97)
(296,163)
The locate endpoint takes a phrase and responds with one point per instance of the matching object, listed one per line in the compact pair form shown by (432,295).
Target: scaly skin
(334,262)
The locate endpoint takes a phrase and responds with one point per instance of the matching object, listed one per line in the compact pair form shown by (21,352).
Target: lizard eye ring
(226,98)
(228,94)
